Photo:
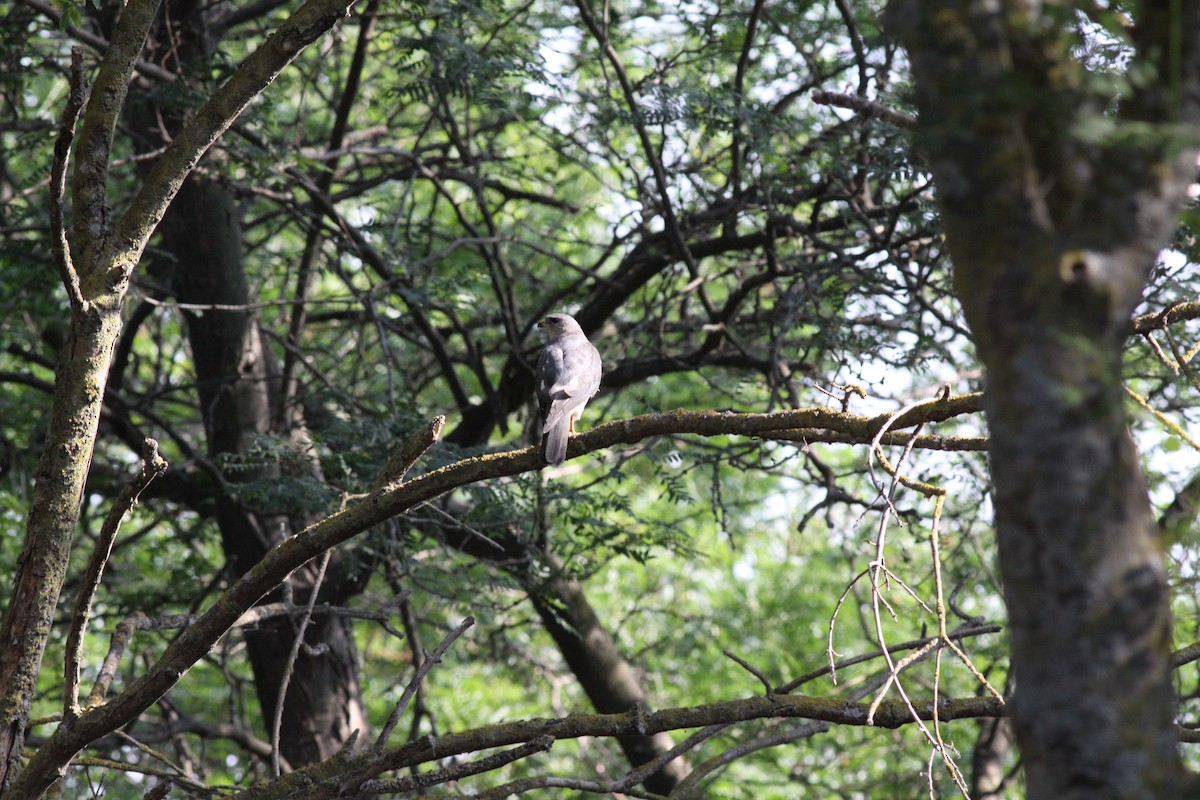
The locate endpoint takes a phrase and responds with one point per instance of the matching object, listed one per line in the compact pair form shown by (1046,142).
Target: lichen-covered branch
(393,499)
(59,242)
(331,778)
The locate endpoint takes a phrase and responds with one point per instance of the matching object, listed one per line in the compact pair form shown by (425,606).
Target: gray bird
(568,376)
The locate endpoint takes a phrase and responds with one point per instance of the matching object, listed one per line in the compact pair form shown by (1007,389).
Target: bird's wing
(563,410)
(550,368)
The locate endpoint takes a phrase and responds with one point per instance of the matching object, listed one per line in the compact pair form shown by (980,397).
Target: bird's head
(558,324)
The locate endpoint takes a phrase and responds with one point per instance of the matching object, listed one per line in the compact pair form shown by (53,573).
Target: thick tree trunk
(1052,238)
(58,492)
(236,385)
(1084,581)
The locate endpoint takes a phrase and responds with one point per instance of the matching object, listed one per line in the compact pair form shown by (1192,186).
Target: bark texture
(1054,213)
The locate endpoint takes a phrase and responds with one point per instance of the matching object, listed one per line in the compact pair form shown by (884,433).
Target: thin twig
(380,614)
(830,669)
(152,466)
(639,774)
(290,666)
(878,565)
(830,653)
(1170,424)
(422,670)
(943,641)
(741,662)
(893,677)
(944,636)
(59,244)
(1182,360)
(1158,352)
(695,785)
(122,635)
(487,764)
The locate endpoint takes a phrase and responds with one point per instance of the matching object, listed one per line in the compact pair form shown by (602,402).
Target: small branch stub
(402,459)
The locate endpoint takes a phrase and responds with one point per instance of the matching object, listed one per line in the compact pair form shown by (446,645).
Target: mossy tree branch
(397,498)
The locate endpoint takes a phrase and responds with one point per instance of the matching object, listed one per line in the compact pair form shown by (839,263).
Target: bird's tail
(554,442)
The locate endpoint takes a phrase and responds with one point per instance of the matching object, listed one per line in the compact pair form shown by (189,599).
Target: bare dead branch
(865,107)
(293,654)
(423,670)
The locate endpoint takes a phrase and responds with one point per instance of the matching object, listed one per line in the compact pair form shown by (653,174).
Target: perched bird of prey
(568,376)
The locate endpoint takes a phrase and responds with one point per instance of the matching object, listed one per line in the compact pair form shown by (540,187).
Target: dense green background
(497,171)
